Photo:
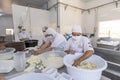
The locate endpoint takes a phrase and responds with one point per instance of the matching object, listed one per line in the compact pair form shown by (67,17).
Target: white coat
(59,42)
(80,46)
(22,35)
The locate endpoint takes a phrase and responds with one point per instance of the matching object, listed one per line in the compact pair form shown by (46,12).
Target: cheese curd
(54,61)
(87,65)
(34,60)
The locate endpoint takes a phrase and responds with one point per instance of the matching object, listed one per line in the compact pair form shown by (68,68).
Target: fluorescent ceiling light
(1,14)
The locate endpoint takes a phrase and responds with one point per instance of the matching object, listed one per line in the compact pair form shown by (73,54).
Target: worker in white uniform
(56,40)
(79,44)
(44,30)
(45,43)
(23,35)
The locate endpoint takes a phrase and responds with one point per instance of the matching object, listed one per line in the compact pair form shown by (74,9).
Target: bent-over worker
(56,42)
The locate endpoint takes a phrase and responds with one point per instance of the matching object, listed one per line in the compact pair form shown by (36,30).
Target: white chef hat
(44,28)
(51,31)
(77,28)
(23,28)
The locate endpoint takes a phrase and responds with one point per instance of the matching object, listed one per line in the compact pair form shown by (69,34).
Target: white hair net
(76,28)
(51,31)
(23,29)
(44,28)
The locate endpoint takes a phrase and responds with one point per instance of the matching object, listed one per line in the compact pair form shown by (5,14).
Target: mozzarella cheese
(54,61)
(34,60)
(87,65)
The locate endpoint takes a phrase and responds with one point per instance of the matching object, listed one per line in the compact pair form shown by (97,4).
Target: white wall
(39,18)
(53,14)
(70,16)
(107,12)
(5,22)
(32,19)
(94,3)
(53,18)
(88,22)
(18,14)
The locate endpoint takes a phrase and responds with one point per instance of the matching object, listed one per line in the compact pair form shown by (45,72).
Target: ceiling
(5,5)
(31,3)
(86,0)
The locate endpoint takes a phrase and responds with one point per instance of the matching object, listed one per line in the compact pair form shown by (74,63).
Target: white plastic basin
(33,76)
(6,66)
(85,74)
(7,53)
(53,63)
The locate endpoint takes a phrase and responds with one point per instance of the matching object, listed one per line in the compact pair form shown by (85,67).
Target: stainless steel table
(63,69)
(14,73)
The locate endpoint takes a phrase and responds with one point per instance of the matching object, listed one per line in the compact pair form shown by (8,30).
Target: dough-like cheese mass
(87,65)
(34,60)
(54,61)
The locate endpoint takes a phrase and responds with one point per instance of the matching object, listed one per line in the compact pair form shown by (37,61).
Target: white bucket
(85,74)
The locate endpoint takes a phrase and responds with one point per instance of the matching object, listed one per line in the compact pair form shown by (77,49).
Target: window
(9,31)
(109,29)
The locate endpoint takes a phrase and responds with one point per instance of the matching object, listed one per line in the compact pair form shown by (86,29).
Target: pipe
(30,22)
(58,22)
(102,5)
(70,5)
(82,8)
(65,4)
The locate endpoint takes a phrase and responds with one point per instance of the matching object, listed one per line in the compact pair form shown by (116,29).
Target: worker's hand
(2,78)
(72,51)
(76,62)
(2,47)
(35,52)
